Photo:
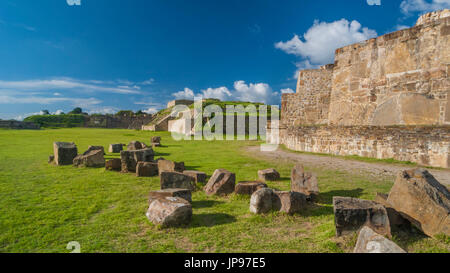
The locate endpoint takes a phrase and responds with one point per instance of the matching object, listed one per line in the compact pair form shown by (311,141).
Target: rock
(174,180)
(261,201)
(156,141)
(248,187)
(421,199)
(199,177)
(182,193)
(114,165)
(288,202)
(146,169)
(134,145)
(94,158)
(94,148)
(51,158)
(305,183)
(350,214)
(395,218)
(169,211)
(64,153)
(222,182)
(371,242)
(268,175)
(131,158)
(115,148)
(170,166)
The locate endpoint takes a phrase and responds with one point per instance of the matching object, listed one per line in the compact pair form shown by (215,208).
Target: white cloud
(65,84)
(374,2)
(410,7)
(287,91)
(103,110)
(320,41)
(58,112)
(148,82)
(253,92)
(184,94)
(86,102)
(150,110)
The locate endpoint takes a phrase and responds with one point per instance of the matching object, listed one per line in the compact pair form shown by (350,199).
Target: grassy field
(43,207)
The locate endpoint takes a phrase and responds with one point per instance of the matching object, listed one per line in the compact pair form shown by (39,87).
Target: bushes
(65,121)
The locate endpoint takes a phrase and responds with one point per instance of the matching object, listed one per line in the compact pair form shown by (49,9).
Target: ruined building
(387,97)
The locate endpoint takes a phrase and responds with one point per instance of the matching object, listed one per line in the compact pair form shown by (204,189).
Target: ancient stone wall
(398,78)
(311,102)
(426,145)
(14,124)
(117,122)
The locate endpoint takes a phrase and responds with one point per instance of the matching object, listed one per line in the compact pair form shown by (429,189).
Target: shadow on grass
(317,210)
(211,219)
(191,168)
(205,204)
(327,197)
(161,154)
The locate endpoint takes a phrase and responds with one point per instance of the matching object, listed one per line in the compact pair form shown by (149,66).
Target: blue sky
(108,55)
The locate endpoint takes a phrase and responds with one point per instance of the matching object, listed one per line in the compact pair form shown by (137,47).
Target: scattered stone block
(199,177)
(182,193)
(288,201)
(114,165)
(174,180)
(268,175)
(421,199)
(170,166)
(304,182)
(371,242)
(222,182)
(249,187)
(94,148)
(169,211)
(64,153)
(156,141)
(94,159)
(350,214)
(115,148)
(131,158)
(146,169)
(395,218)
(261,201)
(51,158)
(134,145)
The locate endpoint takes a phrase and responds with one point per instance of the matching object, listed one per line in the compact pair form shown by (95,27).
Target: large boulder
(64,153)
(261,201)
(199,177)
(288,202)
(304,182)
(114,165)
(268,175)
(170,166)
(135,145)
(131,158)
(146,169)
(174,180)
(115,148)
(94,148)
(395,218)
(94,158)
(222,182)
(182,193)
(351,214)
(169,211)
(248,187)
(421,199)
(371,242)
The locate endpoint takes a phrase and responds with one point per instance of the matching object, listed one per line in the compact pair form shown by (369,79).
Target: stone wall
(117,122)
(179,102)
(401,78)
(425,145)
(14,124)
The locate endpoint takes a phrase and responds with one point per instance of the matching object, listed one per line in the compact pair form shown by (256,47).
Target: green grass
(44,207)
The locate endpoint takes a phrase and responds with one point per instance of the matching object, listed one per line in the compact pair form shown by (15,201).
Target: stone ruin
(387,97)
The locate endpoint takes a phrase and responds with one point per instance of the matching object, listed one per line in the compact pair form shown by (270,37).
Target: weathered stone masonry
(388,97)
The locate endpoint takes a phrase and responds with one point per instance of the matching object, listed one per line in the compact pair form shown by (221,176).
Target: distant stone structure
(179,102)
(14,124)
(117,121)
(387,97)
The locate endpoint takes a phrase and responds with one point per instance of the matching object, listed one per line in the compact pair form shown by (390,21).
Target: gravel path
(381,170)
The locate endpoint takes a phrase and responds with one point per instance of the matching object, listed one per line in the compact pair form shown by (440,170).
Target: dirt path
(380,170)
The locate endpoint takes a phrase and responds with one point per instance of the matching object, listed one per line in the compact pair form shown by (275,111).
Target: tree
(77,110)
(45,112)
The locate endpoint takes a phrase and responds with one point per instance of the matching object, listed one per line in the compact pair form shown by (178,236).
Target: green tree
(76,110)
